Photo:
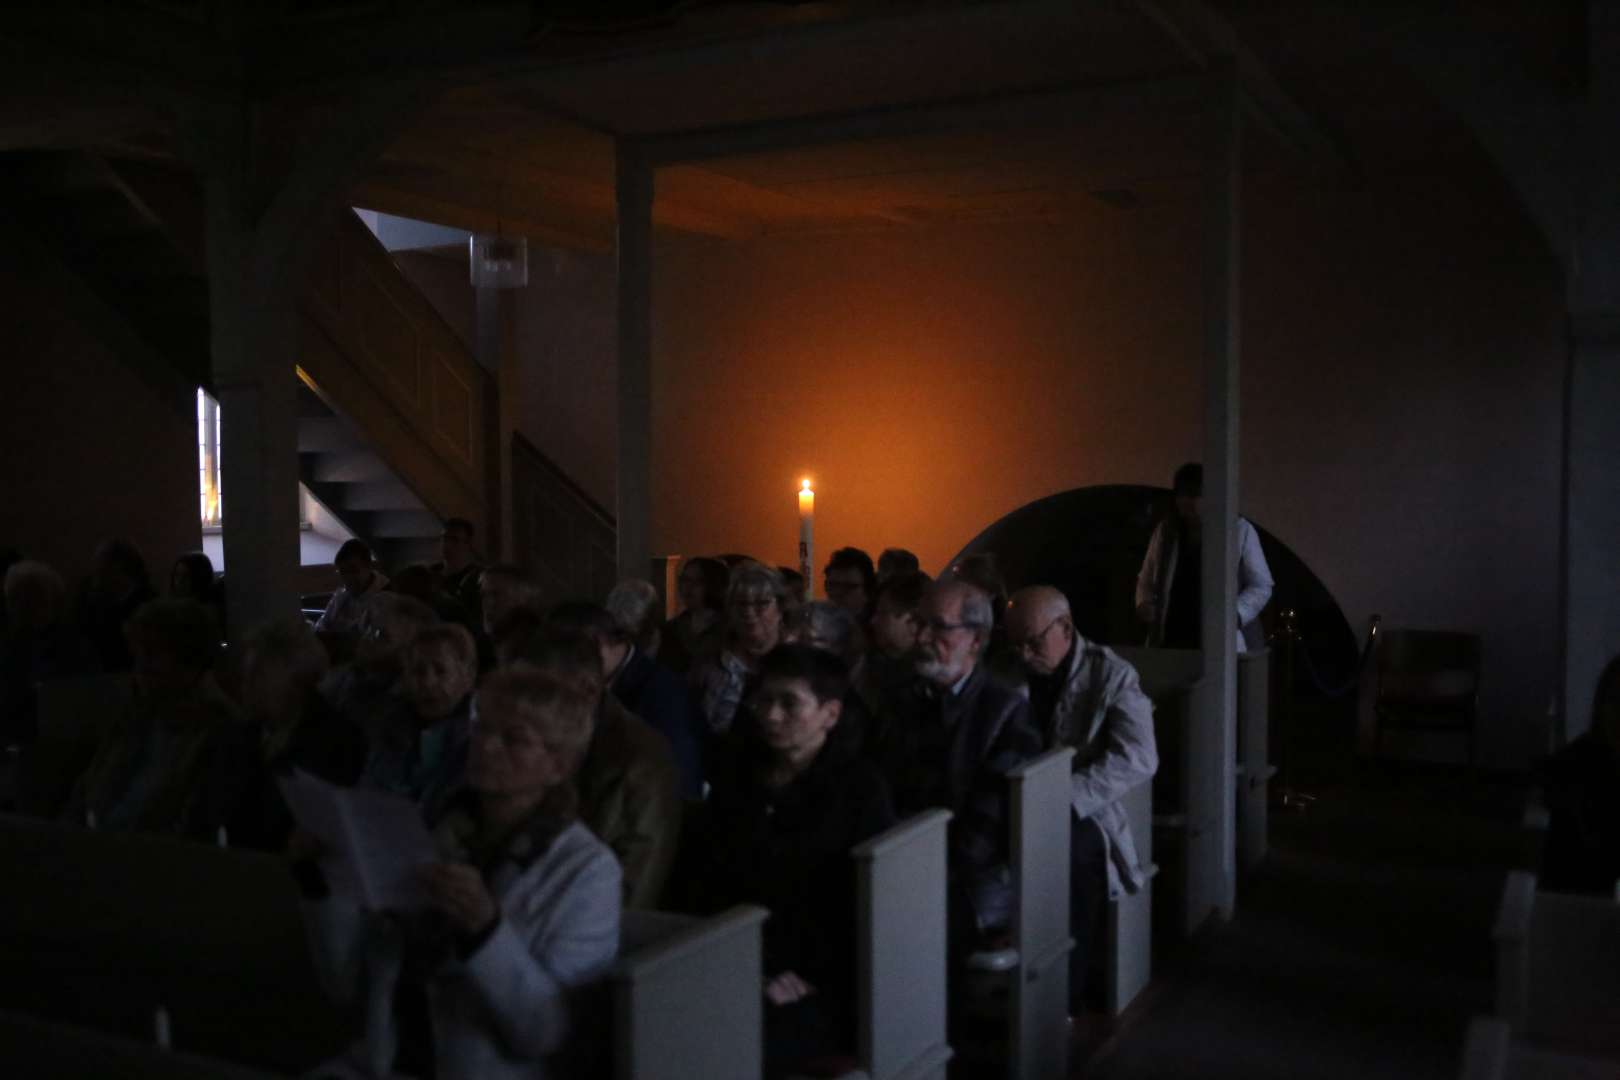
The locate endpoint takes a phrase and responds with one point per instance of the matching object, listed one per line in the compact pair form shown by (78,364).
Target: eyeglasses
(1032,643)
(752,605)
(833,585)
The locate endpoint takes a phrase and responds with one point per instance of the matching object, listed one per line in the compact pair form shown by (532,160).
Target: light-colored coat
(501,1012)
(1159,572)
(1103,713)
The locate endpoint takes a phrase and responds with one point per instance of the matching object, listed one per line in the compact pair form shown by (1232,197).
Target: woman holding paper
(480,979)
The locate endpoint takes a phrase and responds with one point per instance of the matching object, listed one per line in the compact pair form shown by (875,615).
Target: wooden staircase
(395,417)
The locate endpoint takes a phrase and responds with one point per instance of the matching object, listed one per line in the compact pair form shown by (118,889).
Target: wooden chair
(1558,968)
(1427,680)
(687,997)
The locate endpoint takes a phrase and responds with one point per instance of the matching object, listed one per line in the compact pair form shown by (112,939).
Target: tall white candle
(807,543)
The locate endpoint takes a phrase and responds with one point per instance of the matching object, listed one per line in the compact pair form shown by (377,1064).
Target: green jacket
(630,797)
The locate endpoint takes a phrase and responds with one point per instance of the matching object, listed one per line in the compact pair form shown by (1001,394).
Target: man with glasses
(1085,696)
(951,744)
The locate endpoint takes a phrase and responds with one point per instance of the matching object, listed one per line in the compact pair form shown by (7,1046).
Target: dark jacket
(788,850)
(324,744)
(102,621)
(660,697)
(173,764)
(28,659)
(954,751)
(1582,784)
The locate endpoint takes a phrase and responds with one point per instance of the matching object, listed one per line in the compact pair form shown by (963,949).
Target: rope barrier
(1289,633)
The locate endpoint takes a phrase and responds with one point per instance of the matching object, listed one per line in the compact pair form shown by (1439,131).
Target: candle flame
(807,485)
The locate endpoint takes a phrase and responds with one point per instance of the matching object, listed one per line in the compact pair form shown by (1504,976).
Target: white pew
(1187,795)
(1490,1052)
(688,997)
(1254,771)
(42,1050)
(1128,928)
(901,951)
(1041,820)
(1035,969)
(1558,968)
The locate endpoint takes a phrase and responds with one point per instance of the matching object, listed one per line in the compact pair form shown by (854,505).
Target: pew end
(684,973)
(901,945)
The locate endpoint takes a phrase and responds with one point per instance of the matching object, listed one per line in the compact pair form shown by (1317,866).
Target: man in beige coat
(1084,696)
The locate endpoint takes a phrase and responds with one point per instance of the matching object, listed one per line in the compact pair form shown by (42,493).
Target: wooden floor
(1361,948)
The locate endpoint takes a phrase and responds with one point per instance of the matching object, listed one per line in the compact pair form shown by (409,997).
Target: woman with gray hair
(757,602)
(635,606)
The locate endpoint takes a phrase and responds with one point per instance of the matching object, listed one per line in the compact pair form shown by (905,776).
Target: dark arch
(1089,543)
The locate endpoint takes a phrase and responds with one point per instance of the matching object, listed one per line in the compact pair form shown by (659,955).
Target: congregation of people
(576,758)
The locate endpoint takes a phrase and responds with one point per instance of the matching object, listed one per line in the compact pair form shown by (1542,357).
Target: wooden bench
(1558,968)
(102,929)
(688,997)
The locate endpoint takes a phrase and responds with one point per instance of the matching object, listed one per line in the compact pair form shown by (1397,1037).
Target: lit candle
(807,525)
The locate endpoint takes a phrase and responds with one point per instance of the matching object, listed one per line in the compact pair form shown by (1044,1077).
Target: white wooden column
(1591,515)
(253,343)
(634,501)
(1222,264)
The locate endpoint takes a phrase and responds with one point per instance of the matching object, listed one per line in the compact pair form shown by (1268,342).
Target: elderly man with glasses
(951,744)
(1085,696)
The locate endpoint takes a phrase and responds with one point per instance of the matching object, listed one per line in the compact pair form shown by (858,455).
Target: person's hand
(786,988)
(459,891)
(1147,611)
(304,846)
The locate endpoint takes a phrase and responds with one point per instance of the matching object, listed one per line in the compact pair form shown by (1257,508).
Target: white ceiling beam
(1204,37)
(1047,108)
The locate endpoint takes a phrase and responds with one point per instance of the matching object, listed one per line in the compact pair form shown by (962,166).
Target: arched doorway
(1089,542)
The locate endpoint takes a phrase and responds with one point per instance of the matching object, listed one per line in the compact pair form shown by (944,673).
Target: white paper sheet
(376,842)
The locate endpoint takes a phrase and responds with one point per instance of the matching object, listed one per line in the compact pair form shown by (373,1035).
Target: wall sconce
(497,261)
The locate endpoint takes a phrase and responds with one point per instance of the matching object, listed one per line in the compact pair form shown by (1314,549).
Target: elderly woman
(293,726)
(420,750)
(695,635)
(366,690)
(756,603)
(776,831)
(521,913)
